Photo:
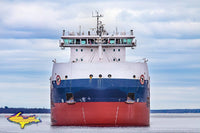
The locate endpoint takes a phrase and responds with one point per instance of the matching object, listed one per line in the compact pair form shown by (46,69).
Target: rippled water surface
(173,123)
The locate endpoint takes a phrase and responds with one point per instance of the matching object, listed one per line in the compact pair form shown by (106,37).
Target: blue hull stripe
(100,90)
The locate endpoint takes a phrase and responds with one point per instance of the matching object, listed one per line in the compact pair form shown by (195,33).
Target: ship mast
(99,23)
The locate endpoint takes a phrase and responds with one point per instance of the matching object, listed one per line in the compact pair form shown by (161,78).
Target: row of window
(116,59)
(77,59)
(93,41)
(103,50)
(100,76)
(109,76)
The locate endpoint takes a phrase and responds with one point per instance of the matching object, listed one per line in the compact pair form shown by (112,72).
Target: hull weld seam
(83,115)
(116,115)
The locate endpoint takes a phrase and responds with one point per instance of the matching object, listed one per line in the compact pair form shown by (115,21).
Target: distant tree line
(176,111)
(24,110)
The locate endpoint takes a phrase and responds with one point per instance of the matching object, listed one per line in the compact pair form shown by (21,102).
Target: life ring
(58,80)
(142,79)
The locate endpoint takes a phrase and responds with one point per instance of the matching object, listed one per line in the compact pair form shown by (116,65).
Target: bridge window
(77,41)
(71,41)
(117,41)
(112,41)
(90,41)
(66,41)
(129,41)
(105,41)
(83,41)
(123,41)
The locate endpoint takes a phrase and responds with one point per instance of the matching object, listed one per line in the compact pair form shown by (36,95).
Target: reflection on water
(159,123)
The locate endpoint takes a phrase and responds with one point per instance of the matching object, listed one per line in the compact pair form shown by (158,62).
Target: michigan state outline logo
(23,120)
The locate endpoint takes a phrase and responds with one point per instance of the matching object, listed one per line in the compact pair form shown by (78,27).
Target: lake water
(164,123)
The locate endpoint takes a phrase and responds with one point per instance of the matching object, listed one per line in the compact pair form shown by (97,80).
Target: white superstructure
(99,55)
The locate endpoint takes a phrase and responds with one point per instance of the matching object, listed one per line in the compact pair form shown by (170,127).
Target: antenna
(99,23)
(79,29)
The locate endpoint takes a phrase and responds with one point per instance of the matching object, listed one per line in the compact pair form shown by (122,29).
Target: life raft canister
(58,79)
(142,79)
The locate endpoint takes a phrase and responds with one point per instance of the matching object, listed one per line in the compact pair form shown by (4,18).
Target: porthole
(81,59)
(113,59)
(109,75)
(113,50)
(118,49)
(81,50)
(100,75)
(91,50)
(119,59)
(90,76)
(66,76)
(76,59)
(134,76)
(104,50)
(76,50)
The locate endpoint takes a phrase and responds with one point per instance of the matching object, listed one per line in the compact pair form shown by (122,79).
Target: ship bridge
(116,40)
(98,47)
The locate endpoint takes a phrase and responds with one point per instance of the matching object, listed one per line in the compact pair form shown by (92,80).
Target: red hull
(100,114)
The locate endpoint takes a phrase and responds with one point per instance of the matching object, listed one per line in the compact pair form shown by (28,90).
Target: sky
(167,33)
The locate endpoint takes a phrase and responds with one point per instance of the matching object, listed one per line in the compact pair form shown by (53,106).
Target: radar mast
(99,23)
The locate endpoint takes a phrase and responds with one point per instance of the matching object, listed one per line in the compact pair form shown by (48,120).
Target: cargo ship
(98,87)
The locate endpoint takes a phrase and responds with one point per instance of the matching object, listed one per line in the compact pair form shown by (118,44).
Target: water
(166,123)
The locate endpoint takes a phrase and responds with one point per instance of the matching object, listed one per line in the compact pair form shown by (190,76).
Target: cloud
(32,55)
(166,52)
(174,97)
(150,19)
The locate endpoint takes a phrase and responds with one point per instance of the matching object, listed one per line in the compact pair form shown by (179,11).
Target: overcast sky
(168,34)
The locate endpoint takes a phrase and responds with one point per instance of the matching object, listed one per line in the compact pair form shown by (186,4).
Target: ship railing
(93,33)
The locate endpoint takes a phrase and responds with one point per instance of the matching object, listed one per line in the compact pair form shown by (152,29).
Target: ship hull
(100,102)
(100,114)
